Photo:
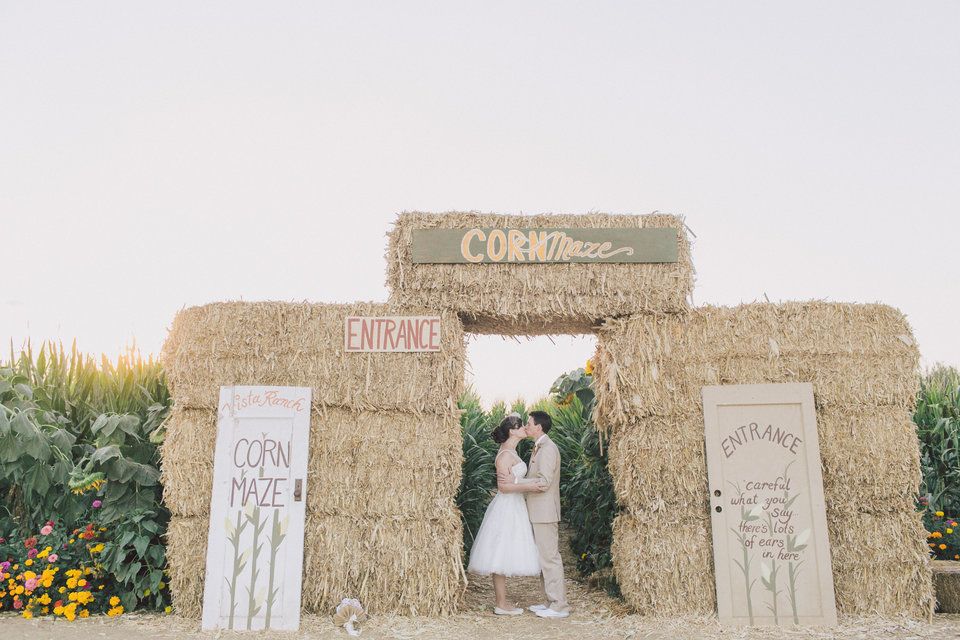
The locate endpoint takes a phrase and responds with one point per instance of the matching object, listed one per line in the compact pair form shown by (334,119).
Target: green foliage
(937,417)
(78,444)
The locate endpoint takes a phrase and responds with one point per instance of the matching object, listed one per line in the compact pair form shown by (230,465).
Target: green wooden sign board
(543,246)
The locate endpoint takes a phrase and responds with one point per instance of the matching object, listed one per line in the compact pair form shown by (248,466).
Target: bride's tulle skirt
(504,543)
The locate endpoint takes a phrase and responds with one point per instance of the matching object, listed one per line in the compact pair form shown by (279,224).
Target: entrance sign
(257,511)
(770,546)
(542,246)
(402,334)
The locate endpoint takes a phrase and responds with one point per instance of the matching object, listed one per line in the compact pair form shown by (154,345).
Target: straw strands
(537,298)
(354,456)
(385,451)
(946,583)
(393,565)
(277,343)
(862,361)
(664,562)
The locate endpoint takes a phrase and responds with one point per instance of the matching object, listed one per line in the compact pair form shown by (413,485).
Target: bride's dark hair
(502,432)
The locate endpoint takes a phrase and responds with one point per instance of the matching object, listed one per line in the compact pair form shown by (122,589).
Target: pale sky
(157,155)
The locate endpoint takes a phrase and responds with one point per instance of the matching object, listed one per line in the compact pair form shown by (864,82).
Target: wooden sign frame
(391,334)
(544,246)
(767,524)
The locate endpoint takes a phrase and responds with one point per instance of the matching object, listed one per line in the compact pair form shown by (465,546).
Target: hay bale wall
(537,298)
(385,451)
(862,361)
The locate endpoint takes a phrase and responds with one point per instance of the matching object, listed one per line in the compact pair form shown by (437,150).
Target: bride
(504,545)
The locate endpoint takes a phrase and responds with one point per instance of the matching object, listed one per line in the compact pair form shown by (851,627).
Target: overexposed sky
(157,155)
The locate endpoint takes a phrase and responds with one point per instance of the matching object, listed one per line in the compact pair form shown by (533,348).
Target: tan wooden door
(770,545)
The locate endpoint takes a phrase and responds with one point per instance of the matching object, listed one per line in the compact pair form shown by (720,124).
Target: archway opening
(553,374)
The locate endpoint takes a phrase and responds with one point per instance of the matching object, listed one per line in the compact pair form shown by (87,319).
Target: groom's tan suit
(544,510)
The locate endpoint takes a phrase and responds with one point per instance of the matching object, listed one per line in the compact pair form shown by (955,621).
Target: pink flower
(52,557)
(30,584)
(46,530)
(18,604)
(32,553)
(97,504)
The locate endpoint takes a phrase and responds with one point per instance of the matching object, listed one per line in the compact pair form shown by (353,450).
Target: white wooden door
(257,510)
(770,546)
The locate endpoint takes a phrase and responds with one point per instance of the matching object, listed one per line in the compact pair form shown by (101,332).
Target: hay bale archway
(400,551)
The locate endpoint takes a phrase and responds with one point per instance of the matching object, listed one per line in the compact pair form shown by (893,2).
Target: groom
(544,510)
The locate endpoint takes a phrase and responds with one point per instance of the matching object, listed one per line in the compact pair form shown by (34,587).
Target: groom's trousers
(546,536)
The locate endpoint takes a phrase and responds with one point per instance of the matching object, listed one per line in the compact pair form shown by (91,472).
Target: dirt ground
(594,616)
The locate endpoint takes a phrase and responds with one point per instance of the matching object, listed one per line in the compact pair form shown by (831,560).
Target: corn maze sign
(257,511)
(770,546)
(543,246)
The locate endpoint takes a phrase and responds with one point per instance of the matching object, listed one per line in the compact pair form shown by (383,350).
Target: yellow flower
(115,611)
(84,614)
(27,614)
(939,514)
(936,534)
(162,585)
(61,589)
(949,530)
(942,547)
(114,601)
(589,368)
(58,611)
(28,563)
(81,583)
(146,592)
(29,575)
(44,599)
(70,611)
(167,609)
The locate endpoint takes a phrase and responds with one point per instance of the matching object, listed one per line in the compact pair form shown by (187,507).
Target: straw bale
(855,355)
(663,562)
(355,458)
(661,461)
(946,585)
(880,564)
(300,344)
(394,565)
(537,298)
(870,458)
(186,563)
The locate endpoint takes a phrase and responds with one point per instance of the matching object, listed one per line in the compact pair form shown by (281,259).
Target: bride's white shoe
(507,612)
(536,607)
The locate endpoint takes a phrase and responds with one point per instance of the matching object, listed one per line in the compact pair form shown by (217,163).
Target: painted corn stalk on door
(770,544)
(257,510)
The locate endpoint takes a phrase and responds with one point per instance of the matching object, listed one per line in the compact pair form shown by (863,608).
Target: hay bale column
(385,451)
(532,299)
(862,362)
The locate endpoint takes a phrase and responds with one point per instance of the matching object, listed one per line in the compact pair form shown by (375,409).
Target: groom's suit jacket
(545,463)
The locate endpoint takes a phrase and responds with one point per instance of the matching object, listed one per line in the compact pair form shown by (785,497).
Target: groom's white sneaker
(536,607)
(507,612)
(550,613)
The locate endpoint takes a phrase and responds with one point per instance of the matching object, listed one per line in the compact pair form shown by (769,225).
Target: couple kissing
(519,535)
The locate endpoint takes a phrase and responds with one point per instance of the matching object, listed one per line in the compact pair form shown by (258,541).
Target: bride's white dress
(504,543)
